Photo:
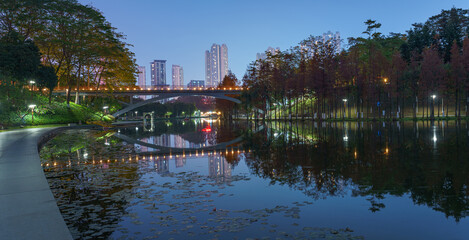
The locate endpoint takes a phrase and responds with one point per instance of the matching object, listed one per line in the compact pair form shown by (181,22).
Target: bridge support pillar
(148,126)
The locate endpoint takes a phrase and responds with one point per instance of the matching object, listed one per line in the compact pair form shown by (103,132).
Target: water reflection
(110,187)
(427,160)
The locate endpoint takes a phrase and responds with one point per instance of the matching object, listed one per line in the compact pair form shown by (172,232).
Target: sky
(180,31)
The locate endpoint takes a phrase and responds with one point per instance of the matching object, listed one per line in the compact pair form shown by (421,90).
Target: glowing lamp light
(207,129)
(32,106)
(433,96)
(105,107)
(345,100)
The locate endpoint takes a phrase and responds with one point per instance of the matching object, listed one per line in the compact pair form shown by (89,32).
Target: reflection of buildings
(162,165)
(179,142)
(218,166)
(162,140)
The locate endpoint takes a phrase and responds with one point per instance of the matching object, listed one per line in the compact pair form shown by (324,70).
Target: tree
(449,26)
(19,58)
(47,78)
(465,63)
(225,106)
(75,39)
(431,75)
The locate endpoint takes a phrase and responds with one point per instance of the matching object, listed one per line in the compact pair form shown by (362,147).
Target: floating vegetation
(126,197)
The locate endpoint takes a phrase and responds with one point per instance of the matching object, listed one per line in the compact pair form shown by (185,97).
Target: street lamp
(104,108)
(345,103)
(433,106)
(32,106)
(31,84)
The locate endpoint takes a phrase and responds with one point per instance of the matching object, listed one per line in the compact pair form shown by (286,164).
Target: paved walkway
(27,207)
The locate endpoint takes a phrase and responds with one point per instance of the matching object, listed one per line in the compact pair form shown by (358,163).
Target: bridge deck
(148,91)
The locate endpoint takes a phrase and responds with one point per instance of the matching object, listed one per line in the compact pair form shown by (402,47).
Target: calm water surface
(206,180)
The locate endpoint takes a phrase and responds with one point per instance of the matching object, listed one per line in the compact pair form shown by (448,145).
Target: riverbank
(451,118)
(28,208)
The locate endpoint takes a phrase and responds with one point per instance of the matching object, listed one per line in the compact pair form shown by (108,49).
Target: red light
(207,129)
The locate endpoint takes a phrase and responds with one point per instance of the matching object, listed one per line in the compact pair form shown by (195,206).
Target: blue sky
(180,31)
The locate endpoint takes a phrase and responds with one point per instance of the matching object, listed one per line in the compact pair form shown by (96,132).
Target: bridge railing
(149,88)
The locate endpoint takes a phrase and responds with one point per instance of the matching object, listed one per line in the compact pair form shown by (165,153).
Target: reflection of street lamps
(32,106)
(345,103)
(432,116)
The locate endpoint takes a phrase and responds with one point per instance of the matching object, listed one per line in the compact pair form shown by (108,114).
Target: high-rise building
(331,36)
(271,50)
(216,64)
(141,81)
(158,73)
(178,76)
(326,38)
(196,83)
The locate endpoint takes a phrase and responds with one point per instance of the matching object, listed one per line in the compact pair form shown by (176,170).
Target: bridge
(157,93)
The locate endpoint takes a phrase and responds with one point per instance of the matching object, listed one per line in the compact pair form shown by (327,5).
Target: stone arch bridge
(157,94)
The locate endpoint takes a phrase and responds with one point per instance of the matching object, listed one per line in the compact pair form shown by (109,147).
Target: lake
(209,179)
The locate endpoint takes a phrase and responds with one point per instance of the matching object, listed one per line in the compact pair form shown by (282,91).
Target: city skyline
(185,45)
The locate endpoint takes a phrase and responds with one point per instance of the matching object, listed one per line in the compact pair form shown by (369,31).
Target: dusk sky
(180,31)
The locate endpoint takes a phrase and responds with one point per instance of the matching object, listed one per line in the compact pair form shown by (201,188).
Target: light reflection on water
(378,180)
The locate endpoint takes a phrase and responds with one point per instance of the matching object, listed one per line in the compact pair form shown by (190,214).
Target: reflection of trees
(372,160)
(90,191)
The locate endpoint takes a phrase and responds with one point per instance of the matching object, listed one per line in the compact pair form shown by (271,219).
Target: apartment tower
(216,64)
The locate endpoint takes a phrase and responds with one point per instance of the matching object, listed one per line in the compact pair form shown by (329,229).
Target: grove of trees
(422,73)
(75,40)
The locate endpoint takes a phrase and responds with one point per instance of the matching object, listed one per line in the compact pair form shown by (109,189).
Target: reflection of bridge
(157,93)
(164,149)
(225,146)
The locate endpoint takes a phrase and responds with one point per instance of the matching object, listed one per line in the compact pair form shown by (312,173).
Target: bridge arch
(171,95)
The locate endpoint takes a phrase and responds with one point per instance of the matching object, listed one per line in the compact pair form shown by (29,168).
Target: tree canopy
(75,39)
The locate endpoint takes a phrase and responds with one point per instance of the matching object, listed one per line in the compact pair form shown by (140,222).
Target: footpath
(27,207)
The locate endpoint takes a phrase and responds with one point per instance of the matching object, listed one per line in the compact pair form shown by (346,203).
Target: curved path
(27,207)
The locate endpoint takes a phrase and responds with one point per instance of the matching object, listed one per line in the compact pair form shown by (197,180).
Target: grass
(45,114)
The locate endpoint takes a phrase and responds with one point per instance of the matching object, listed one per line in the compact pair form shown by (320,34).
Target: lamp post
(32,106)
(105,108)
(31,88)
(345,103)
(432,115)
